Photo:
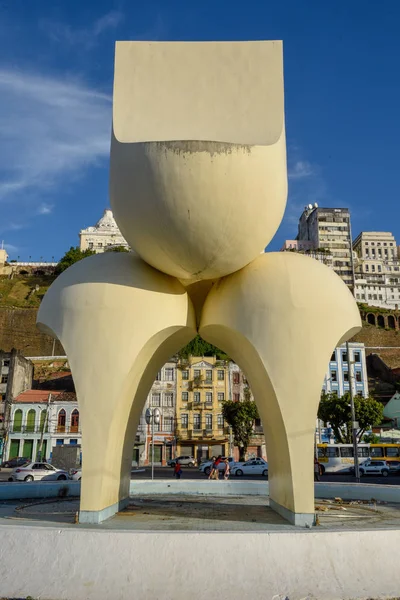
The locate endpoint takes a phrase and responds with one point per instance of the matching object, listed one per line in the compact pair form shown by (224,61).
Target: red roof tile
(42,396)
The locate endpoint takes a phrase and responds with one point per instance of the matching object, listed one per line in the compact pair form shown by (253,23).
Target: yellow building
(202,387)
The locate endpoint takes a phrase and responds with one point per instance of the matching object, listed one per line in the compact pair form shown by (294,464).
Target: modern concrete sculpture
(198,187)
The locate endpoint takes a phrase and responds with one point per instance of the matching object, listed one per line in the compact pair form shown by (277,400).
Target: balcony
(73,429)
(207,432)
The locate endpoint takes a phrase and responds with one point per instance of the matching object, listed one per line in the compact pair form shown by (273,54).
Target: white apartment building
(377,269)
(337,379)
(329,230)
(103,236)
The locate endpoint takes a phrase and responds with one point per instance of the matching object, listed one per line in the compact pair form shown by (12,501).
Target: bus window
(392,452)
(346,452)
(321,452)
(332,451)
(376,452)
(363,452)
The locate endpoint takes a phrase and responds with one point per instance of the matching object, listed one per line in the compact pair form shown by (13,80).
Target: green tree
(117,249)
(71,257)
(199,347)
(337,412)
(371,438)
(240,416)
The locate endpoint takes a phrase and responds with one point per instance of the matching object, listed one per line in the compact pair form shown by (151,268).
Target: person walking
(227,469)
(211,475)
(316,469)
(177,470)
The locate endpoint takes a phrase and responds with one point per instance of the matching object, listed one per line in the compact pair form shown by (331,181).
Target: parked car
(373,467)
(185,461)
(35,471)
(205,467)
(76,474)
(256,466)
(12,463)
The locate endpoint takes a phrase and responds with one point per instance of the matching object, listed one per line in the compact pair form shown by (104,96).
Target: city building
(323,255)
(16,373)
(337,377)
(329,231)
(162,396)
(377,269)
(104,235)
(3,256)
(40,420)
(202,386)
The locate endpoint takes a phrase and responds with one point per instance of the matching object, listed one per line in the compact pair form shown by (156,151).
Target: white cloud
(45,209)
(86,36)
(51,129)
(300,170)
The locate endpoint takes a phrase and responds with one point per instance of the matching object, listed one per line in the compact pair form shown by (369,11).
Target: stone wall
(18,330)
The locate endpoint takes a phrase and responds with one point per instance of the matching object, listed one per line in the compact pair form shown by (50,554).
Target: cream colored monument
(198,188)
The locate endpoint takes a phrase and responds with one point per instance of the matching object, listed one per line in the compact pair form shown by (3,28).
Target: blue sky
(342,94)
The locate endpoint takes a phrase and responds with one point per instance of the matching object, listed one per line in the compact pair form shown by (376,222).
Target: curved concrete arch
(119,320)
(279,318)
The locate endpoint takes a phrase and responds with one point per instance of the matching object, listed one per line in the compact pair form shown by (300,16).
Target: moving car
(35,471)
(255,466)
(184,461)
(205,467)
(12,463)
(373,467)
(76,474)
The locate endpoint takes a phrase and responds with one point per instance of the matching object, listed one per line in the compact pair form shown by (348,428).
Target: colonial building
(16,374)
(104,235)
(329,229)
(377,269)
(39,421)
(202,386)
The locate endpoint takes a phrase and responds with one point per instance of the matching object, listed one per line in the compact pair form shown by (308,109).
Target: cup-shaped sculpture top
(198,179)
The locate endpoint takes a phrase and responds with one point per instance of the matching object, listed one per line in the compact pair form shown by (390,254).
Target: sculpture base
(94,517)
(299,519)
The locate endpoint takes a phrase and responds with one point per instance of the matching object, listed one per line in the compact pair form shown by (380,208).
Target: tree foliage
(117,249)
(337,412)
(71,257)
(240,416)
(199,347)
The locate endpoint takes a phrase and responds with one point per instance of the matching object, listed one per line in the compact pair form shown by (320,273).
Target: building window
(59,442)
(209,375)
(358,376)
(221,396)
(196,373)
(208,421)
(75,421)
(6,363)
(236,377)
(73,442)
(185,396)
(196,421)
(357,357)
(90,245)
(100,245)
(333,357)
(2,397)
(184,421)
(344,357)
(196,396)
(43,421)
(61,421)
(220,421)
(169,374)
(168,400)
(185,374)
(209,397)
(236,397)
(345,376)
(158,376)
(168,424)
(333,375)
(157,426)
(221,375)
(4,378)
(156,400)
(17,425)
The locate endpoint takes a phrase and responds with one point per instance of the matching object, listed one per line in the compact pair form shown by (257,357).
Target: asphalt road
(167,472)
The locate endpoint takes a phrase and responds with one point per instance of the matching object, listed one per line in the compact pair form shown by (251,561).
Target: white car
(76,474)
(255,466)
(206,466)
(35,471)
(373,467)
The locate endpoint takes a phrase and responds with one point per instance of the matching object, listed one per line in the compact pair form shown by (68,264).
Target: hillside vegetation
(23,291)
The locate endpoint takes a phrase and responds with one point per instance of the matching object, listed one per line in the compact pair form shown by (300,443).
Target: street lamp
(354,423)
(152,416)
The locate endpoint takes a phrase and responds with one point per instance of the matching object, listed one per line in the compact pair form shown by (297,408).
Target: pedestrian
(211,475)
(177,470)
(316,469)
(215,472)
(227,469)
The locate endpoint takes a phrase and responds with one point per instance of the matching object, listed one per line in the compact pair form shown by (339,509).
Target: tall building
(337,378)
(377,269)
(104,235)
(307,248)
(202,386)
(329,230)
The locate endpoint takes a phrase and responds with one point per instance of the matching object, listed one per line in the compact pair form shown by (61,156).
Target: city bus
(339,458)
